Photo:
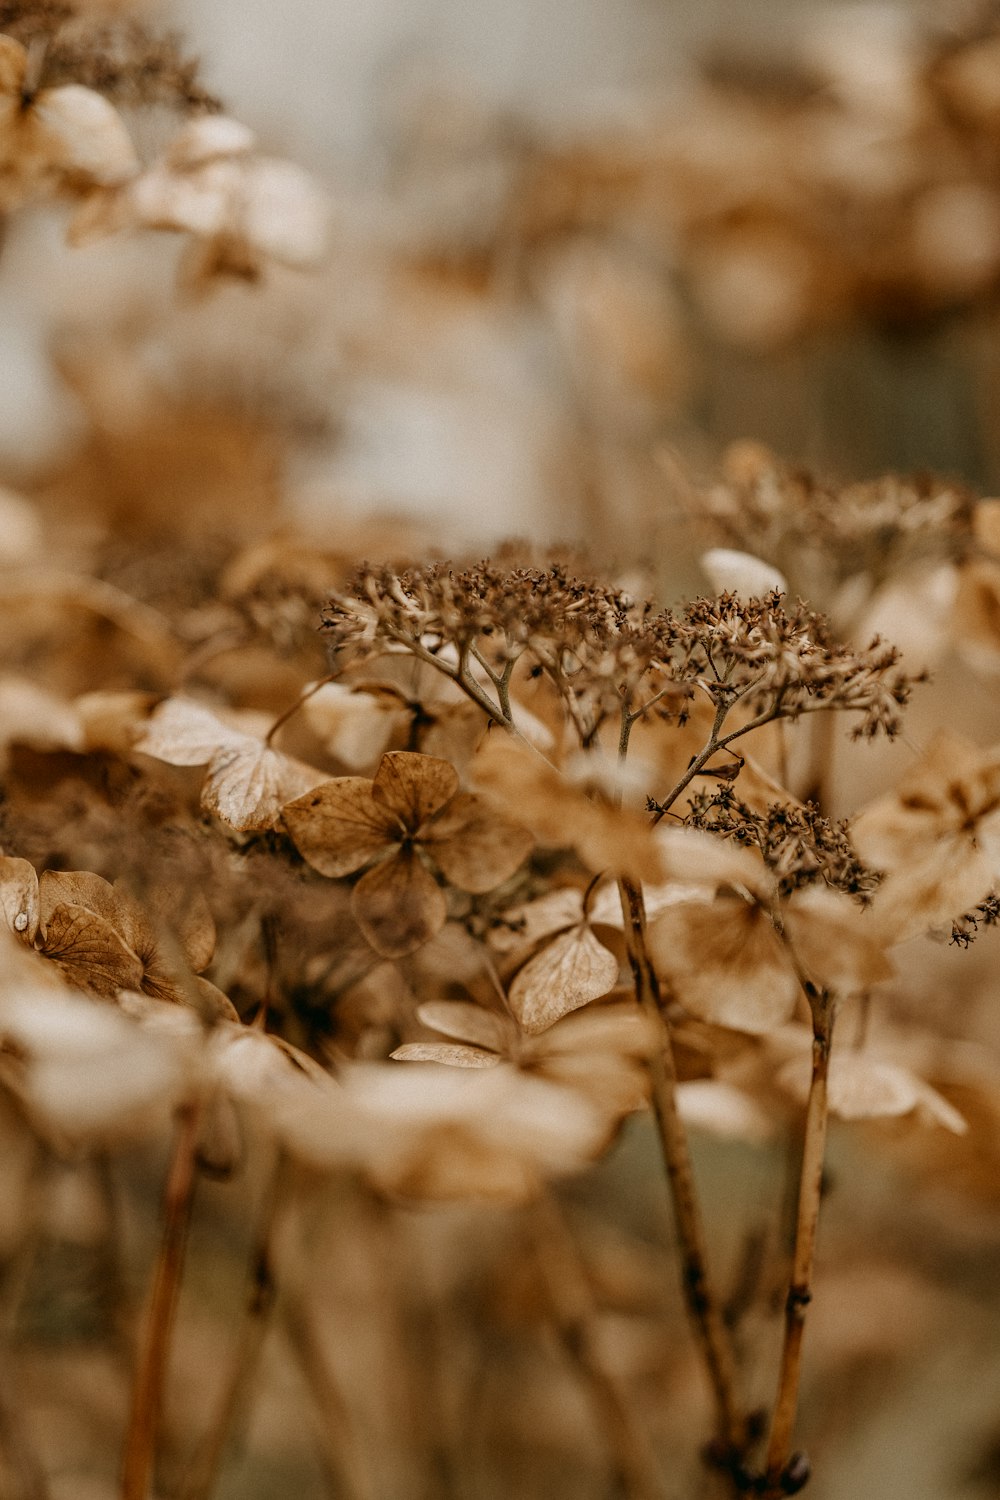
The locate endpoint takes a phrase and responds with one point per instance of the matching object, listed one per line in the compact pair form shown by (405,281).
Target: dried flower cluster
(351,889)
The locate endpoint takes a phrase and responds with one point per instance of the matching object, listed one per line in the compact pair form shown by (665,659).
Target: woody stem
(700,1297)
(780,1460)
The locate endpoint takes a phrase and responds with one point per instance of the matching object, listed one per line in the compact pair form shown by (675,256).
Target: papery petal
(725,963)
(452,1056)
(185,733)
(19,897)
(841,947)
(353,726)
(248,784)
(398,905)
(286,215)
(87,135)
(204,139)
(339,827)
(568,972)
(465,1022)
(413,787)
(474,847)
(89,951)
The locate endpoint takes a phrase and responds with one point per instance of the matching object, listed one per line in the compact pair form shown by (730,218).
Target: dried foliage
(416,913)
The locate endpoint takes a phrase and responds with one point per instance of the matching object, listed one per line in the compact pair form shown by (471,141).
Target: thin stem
(293,709)
(574,1312)
(259,1302)
(783,1468)
(147,1394)
(700,1297)
(340,1450)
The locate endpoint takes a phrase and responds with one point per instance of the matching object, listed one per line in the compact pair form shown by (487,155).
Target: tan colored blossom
(410,814)
(246,782)
(241,209)
(67,139)
(735,954)
(936,836)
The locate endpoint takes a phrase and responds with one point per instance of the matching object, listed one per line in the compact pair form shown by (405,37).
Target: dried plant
(369,915)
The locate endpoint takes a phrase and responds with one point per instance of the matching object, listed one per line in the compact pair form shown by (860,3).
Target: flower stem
(574,1313)
(147,1394)
(700,1297)
(785,1472)
(261,1288)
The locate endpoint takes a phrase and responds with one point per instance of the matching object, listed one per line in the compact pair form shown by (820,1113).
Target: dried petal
(85,136)
(441,1052)
(339,827)
(398,905)
(725,963)
(465,1023)
(19,898)
(413,787)
(568,972)
(248,784)
(89,951)
(473,846)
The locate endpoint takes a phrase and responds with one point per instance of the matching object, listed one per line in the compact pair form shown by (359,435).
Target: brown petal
(19,901)
(80,888)
(839,946)
(248,784)
(338,827)
(89,951)
(465,1023)
(413,787)
(570,971)
(185,733)
(442,1052)
(474,847)
(398,905)
(725,963)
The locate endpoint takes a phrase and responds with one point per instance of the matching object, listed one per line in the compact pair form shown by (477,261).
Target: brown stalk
(785,1471)
(571,1301)
(700,1297)
(147,1393)
(261,1289)
(340,1451)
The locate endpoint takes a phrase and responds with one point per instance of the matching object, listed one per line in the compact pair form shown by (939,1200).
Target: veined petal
(475,847)
(568,972)
(399,905)
(338,827)
(413,787)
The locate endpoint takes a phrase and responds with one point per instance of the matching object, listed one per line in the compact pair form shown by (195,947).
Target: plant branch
(261,1289)
(574,1313)
(700,1297)
(786,1471)
(147,1395)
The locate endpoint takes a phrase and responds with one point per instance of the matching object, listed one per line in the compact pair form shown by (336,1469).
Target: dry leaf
(568,972)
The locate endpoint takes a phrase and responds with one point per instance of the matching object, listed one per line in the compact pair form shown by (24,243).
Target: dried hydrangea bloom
(737,954)
(412,812)
(66,139)
(241,209)
(867,1084)
(601,1051)
(447,1133)
(104,941)
(936,836)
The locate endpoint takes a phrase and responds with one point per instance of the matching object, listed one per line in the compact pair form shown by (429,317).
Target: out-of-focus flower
(241,209)
(67,139)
